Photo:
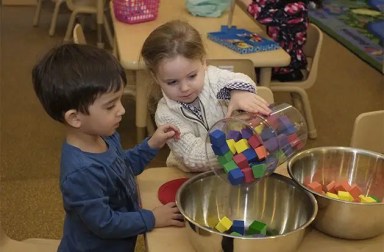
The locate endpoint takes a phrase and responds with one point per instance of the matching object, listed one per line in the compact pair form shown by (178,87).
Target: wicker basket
(135,11)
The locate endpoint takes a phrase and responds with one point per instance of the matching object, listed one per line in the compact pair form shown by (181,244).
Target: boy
(81,87)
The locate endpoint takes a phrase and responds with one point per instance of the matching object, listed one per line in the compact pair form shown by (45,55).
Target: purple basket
(135,11)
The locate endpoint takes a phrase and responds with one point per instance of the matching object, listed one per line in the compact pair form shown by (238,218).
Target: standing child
(195,96)
(287,23)
(81,87)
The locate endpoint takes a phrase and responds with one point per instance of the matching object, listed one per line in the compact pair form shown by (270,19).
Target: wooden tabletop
(130,37)
(175,239)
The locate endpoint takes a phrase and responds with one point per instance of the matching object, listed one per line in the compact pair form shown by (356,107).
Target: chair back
(78,35)
(312,49)
(368,131)
(246,67)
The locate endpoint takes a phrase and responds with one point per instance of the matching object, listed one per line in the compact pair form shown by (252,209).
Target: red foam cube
(254,141)
(342,186)
(248,175)
(355,191)
(241,160)
(315,186)
(330,187)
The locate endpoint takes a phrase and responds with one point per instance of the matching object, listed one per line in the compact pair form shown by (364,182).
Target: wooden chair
(297,89)
(55,15)
(8,244)
(78,35)
(368,131)
(87,7)
(244,66)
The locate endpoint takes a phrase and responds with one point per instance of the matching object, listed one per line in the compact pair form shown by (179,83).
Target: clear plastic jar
(251,146)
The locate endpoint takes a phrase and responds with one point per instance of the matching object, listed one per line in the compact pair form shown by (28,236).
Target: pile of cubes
(237,228)
(342,191)
(255,150)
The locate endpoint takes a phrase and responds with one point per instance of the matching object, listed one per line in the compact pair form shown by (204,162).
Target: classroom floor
(30,202)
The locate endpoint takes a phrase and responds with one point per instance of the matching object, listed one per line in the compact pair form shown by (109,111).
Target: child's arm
(248,102)
(168,215)
(162,134)
(239,89)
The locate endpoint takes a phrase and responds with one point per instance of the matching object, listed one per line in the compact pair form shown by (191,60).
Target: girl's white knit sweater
(190,153)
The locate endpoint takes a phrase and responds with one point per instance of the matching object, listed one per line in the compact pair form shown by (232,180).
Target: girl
(287,22)
(195,95)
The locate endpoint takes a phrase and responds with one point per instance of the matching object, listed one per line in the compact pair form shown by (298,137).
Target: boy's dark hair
(72,76)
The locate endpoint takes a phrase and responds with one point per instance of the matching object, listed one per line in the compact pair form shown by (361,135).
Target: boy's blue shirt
(100,197)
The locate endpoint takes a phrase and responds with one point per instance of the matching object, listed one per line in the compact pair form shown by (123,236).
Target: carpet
(356,24)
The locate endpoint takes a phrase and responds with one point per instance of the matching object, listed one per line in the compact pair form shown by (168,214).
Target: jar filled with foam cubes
(249,146)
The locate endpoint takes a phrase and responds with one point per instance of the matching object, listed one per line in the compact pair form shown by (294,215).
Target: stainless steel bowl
(276,200)
(343,219)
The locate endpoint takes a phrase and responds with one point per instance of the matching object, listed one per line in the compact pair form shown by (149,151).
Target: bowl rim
(324,148)
(274,175)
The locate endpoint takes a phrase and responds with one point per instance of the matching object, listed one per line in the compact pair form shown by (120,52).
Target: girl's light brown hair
(174,38)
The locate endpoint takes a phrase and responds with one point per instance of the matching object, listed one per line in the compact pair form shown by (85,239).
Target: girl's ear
(72,118)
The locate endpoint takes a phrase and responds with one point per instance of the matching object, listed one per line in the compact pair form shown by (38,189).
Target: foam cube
(343,195)
(284,123)
(224,224)
(366,199)
(230,165)
(248,175)
(332,195)
(355,191)
(330,187)
(241,160)
(257,227)
(235,135)
(246,133)
(271,144)
(217,138)
(231,145)
(241,145)
(238,227)
(261,153)
(225,158)
(220,150)
(250,155)
(342,186)
(236,176)
(259,128)
(282,139)
(315,186)
(258,170)
(254,141)
(267,133)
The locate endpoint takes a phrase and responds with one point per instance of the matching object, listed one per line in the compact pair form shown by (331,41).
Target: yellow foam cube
(241,145)
(365,199)
(231,145)
(224,224)
(332,195)
(259,128)
(345,196)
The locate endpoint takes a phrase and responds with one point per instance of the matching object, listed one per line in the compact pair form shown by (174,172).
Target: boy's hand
(168,215)
(162,135)
(247,101)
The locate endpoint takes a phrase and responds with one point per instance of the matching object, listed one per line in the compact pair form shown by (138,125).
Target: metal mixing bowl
(343,219)
(276,200)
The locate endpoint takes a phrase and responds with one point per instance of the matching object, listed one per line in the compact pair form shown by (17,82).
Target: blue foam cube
(235,176)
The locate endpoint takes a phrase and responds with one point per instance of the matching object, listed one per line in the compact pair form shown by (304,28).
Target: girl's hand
(168,215)
(162,135)
(247,101)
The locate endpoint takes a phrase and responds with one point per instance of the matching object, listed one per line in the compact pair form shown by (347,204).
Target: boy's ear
(72,118)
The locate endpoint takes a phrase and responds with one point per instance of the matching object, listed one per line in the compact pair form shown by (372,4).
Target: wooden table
(130,38)
(175,239)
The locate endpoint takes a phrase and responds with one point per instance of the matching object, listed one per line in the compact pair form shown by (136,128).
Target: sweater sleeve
(190,149)
(84,194)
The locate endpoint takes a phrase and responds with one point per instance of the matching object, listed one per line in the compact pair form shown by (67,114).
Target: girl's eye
(192,76)
(172,82)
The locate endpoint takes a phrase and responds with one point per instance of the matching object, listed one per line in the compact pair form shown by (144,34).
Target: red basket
(135,11)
